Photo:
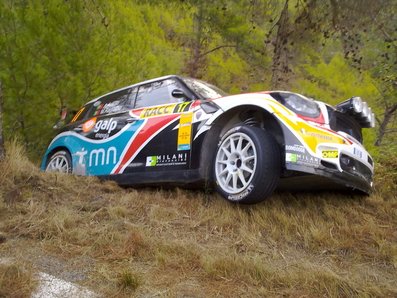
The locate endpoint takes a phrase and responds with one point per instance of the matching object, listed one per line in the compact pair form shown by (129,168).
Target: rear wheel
(247,165)
(60,162)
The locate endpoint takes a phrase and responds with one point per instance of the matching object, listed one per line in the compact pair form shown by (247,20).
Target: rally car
(183,131)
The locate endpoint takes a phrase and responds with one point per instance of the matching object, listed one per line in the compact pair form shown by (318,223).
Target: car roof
(173,76)
(133,85)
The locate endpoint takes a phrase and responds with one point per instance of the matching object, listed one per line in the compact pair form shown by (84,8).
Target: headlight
(373,120)
(367,119)
(359,110)
(353,105)
(365,110)
(357,104)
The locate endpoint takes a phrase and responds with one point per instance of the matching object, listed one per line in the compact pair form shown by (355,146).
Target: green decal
(151,161)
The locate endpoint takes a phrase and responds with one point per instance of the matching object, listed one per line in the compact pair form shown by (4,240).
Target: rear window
(112,103)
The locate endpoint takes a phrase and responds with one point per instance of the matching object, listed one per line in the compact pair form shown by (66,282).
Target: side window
(113,103)
(157,93)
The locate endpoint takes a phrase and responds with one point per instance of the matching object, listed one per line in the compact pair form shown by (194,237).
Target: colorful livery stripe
(150,128)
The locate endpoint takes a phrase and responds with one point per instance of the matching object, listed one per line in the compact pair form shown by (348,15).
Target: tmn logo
(98,157)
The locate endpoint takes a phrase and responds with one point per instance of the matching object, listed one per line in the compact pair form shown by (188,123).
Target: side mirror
(64,113)
(62,116)
(177,93)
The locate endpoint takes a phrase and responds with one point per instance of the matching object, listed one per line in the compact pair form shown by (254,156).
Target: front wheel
(247,165)
(60,162)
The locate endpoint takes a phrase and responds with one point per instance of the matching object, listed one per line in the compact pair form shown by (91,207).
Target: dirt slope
(125,242)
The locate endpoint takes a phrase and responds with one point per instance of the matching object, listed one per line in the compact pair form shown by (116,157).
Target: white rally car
(183,131)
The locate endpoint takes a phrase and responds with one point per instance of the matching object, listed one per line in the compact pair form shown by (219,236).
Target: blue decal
(94,157)
(183,147)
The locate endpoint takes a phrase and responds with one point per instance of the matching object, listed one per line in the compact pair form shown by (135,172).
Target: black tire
(63,159)
(251,172)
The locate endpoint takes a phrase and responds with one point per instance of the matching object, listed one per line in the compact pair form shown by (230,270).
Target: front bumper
(325,178)
(346,166)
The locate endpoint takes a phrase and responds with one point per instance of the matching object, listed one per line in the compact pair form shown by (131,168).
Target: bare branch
(383,31)
(217,48)
(389,113)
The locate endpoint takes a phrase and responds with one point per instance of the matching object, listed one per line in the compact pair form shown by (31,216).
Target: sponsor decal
(330,154)
(317,135)
(99,107)
(151,161)
(302,159)
(183,147)
(166,160)
(88,125)
(165,110)
(81,154)
(103,128)
(291,157)
(98,157)
(185,131)
(242,194)
(111,107)
(357,153)
(295,148)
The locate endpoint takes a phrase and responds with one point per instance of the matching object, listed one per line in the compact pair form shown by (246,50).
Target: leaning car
(183,131)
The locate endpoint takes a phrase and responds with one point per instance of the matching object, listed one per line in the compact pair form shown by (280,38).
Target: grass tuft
(16,281)
(128,280)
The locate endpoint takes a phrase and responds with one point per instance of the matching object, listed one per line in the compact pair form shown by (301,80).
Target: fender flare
(61,142)
(219,123)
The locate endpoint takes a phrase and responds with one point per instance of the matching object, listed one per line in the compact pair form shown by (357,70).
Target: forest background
(58,53)
(176,243)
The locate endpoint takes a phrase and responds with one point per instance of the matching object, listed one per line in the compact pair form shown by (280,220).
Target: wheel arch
(247,114)
(51,152)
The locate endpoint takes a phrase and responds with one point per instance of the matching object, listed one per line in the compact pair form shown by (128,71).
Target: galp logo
(88,125)
(106,125)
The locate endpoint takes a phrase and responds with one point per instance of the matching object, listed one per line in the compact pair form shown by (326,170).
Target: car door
(163,140)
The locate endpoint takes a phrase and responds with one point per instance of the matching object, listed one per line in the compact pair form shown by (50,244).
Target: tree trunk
(2,150)
(194,65)
(280,65)
(389,113)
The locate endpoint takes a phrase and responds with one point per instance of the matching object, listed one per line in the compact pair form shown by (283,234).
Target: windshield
(203,89)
